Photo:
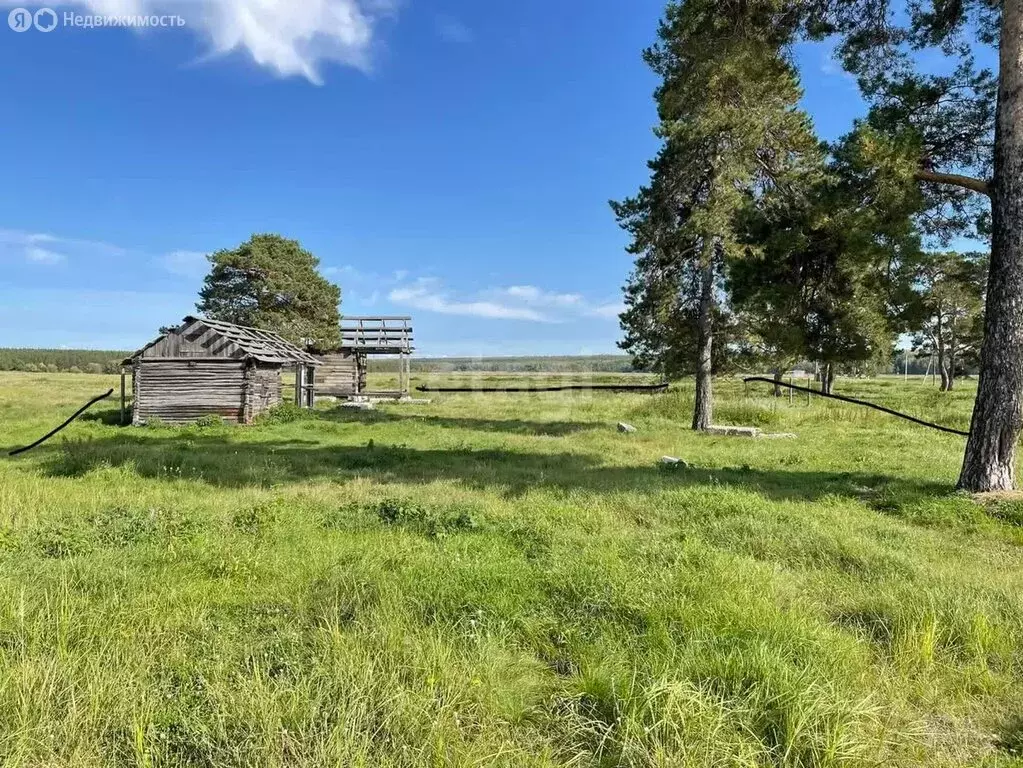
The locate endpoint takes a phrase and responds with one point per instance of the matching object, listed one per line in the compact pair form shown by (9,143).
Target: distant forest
(109,361)
(554,364)
(61,360)
(97,361)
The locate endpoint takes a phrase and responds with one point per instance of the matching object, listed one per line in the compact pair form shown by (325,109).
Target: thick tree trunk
(990,461)
(703,409)
(777,382)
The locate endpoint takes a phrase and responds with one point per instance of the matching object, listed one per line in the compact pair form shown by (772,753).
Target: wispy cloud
(564,303)
(190,264)
(48,249)
(427,294)
(287,37)
(451,30)
(517,302)
(832,67)
(609,311)
(43,255)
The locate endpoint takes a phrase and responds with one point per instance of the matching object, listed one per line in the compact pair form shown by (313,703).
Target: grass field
(505,580)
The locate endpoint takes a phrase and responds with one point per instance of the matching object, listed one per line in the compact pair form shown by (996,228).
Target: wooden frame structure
(212,368)
(343,370)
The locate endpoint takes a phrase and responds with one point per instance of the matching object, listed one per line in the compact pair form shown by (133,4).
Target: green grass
(505,580)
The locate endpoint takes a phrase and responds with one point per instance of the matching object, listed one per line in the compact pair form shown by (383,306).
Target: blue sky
(449,159)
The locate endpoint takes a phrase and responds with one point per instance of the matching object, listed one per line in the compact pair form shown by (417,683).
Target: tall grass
(505,580)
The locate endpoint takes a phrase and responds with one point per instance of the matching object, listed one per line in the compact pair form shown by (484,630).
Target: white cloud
(43,255)
(610,311)
(530,294)
(517,302)
(190,264)
(46,249)
(288,37)
(427,294)
(451,30)
(41,247)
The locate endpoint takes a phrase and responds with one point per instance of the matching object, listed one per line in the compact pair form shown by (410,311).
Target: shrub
(122,526)
(429,522)
(209,420)
(282,413)
(257,520)
(746,414)
(60,540)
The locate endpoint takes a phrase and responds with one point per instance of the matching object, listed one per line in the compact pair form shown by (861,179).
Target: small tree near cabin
(273,283)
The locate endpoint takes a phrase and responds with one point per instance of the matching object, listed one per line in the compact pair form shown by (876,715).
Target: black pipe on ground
(854,401)
(580,387)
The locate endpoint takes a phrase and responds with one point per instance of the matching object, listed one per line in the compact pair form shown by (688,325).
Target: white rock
(734,431)
(623,427)
(671,461)
(359,406)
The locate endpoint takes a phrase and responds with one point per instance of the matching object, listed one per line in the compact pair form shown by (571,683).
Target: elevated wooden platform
(377,335)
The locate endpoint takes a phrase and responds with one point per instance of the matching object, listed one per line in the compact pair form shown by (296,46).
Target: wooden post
(299,378)
(310,388)
(791,381)
(122,396)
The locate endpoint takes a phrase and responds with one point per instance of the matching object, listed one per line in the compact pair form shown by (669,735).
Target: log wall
(263,389)
(341,374)
(182,391)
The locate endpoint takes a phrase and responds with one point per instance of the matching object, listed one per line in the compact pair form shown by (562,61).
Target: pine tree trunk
(941,352)
(703,409)
(990,461)
(777,382)
(827,376)
(952,360)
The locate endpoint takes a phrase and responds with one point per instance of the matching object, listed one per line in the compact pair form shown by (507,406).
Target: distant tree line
(552,364)
(61,360)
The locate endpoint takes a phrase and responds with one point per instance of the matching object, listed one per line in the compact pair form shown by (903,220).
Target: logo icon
(45,20)
(20,20)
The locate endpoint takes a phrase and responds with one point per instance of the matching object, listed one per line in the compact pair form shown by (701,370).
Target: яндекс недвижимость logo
(22,19)
(46,20)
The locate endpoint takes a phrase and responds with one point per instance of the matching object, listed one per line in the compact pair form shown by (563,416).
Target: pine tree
(949,310)
(271,282)
(959,136)
(730,130)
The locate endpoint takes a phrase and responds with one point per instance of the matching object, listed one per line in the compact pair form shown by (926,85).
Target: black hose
(605,387)
(48,435)
(864,403)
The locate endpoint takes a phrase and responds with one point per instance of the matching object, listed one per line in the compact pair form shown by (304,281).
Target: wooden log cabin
(342,371)
(212,368)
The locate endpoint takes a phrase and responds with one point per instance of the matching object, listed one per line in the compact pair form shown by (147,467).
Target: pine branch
(955,180)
